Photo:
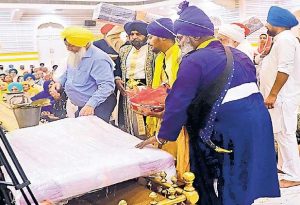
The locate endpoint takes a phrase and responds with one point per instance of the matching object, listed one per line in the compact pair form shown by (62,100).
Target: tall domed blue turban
(193,22)
(162,27)
(280,17)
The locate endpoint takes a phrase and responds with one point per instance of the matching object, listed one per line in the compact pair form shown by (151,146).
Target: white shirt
(246,48)
(283,57)
(135,63)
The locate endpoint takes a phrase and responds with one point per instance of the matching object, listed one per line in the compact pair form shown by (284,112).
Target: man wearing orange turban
(88,79)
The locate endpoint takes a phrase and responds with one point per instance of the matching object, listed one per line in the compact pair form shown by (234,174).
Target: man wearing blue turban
(216,96)
(15,87)
(280,86)
(161,38)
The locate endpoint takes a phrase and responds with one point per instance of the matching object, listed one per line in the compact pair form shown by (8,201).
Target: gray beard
(186,49)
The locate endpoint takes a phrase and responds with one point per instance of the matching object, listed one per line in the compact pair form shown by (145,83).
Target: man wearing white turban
(234,36)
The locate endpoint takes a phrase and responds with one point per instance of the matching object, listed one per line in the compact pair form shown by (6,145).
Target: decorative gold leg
(153,197)
(173,193)
(191,194)
(122,202)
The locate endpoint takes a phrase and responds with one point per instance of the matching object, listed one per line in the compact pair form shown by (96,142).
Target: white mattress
(71,157)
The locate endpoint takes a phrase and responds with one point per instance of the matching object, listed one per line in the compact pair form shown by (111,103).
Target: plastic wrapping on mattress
(71,157)
(112,13)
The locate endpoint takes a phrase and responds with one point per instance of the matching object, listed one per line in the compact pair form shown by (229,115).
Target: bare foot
(286,183)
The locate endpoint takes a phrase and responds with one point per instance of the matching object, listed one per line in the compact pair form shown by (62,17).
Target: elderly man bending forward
(88,79)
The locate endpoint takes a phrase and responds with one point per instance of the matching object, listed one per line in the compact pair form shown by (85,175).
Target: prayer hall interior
(90,88)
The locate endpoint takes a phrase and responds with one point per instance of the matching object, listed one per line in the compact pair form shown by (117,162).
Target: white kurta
(135,63)
(284,57)
(246,48)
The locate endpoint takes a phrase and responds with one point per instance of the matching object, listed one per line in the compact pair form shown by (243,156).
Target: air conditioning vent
(89,23)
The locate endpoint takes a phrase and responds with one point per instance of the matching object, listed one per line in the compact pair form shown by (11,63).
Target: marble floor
(289,196)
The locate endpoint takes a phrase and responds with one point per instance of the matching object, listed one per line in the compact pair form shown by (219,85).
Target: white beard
(186,48)
(75,58)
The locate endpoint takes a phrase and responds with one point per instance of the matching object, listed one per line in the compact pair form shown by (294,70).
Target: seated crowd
(35,83)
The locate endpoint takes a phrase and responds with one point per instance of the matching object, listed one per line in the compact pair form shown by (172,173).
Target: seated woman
(59,110)
(45,95)
(8,79)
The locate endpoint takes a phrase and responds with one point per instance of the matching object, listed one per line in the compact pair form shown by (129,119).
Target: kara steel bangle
(159,142)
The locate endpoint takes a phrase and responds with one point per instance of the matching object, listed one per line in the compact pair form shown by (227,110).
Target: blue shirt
(196,70)
(92,82)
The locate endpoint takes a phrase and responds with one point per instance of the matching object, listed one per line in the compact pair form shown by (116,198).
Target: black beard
(138,44)
(270,33)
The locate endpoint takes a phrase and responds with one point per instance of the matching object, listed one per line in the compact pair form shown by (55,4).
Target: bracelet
(159,142)
(118,78)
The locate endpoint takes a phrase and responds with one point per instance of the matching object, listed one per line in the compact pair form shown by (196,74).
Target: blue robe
(243,125)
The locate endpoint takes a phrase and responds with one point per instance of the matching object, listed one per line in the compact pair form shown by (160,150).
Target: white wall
(20,36)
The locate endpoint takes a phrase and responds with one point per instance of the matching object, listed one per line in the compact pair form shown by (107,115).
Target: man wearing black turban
(137,65)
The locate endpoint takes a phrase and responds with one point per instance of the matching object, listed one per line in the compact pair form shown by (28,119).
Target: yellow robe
(180,148)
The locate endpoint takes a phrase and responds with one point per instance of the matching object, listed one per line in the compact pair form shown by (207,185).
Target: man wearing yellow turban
(88,79)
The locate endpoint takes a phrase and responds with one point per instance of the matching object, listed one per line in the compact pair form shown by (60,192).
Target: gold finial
(174,182)
(222,150)
(189,191)
(163,176)
(172,192)
(153,197)
(122,202)
(189,179)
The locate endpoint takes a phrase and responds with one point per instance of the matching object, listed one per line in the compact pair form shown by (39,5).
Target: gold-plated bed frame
(172,192)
